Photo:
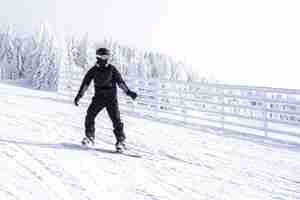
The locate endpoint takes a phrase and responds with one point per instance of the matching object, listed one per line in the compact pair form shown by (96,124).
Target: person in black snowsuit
(105,77)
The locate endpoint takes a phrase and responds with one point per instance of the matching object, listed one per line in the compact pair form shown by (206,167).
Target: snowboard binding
(120,146)
(87,141)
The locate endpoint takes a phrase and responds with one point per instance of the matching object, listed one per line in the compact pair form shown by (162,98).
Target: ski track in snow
(41,158)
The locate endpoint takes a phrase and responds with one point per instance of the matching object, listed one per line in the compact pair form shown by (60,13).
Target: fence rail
(268,112)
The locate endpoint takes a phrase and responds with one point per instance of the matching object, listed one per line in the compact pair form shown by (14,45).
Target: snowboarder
(105,77)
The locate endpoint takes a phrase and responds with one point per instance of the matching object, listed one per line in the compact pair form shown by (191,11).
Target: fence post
(157,92)
(265,114)
(223,108)
(182,102)
(70,82)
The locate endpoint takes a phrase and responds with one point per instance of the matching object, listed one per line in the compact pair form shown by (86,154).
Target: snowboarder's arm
(86,82)
(121,83)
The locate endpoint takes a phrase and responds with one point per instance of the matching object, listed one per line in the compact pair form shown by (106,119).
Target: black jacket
(105,78)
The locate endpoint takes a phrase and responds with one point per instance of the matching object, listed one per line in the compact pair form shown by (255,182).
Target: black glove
(132,94)
(76,100)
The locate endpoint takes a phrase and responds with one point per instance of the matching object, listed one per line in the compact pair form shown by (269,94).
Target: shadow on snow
(68,146)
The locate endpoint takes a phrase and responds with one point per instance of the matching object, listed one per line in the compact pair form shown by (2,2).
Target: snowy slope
(40,158)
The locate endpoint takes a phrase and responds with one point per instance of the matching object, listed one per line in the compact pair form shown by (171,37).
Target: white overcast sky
(253,42)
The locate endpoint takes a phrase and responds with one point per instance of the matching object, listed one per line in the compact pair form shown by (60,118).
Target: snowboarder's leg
(114,114)
(95,107)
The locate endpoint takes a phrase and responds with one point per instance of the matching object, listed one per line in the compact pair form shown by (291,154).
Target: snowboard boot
(120,145)
(87,141)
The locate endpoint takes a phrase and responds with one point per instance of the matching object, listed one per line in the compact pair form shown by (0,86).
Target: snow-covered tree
(47,61)
(38,58)
(34,58)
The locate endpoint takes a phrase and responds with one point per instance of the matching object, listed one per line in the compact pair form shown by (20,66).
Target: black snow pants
(112,108)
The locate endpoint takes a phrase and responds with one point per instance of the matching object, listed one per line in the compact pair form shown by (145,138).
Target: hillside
(40,158)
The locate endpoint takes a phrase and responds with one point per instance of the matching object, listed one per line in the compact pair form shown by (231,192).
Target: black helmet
(102,51)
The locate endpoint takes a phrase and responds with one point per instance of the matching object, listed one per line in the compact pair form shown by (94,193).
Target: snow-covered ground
(40,158)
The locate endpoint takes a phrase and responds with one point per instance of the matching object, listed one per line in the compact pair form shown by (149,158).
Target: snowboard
(126,152)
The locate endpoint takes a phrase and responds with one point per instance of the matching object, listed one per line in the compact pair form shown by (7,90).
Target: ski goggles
(103,56)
